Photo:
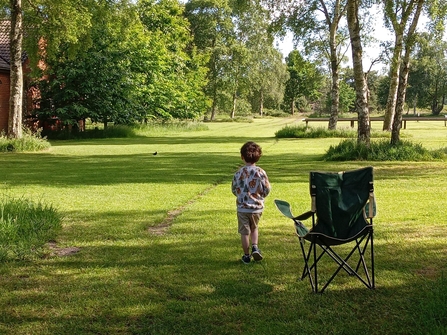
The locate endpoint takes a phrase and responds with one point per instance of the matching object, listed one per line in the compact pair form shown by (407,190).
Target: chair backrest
(339,201)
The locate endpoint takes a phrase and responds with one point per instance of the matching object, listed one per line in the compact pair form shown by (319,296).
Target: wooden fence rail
(354,119)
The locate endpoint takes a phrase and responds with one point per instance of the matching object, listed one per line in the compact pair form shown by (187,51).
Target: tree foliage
(172,71)
(91,82)
(320,28)
(428,76)
(244,70)
(305,80)
(38,22)
(140,64)
(124,61)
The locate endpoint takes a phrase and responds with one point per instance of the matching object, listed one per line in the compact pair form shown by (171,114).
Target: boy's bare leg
(245,240)
(254,236)
(254,241)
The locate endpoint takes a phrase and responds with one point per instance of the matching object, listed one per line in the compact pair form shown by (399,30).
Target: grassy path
(159,250)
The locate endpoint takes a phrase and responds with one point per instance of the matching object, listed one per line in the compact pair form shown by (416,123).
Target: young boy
(250,186)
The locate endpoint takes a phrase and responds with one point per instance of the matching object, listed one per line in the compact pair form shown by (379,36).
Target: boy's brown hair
(251,152)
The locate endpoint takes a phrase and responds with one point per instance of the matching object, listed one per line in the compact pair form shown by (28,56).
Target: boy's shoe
(246,259)
(256,253)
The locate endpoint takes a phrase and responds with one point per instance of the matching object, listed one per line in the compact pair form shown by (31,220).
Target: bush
(382,150)
(312,132)
(116,131)
(128,131)
(154,127)
(320,132)
(28,142)
(275,113)
(25,227)
(241,119)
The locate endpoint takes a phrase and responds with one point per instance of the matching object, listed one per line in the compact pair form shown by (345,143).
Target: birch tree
(400,17)
(403,75)
(403,16)
(361,89)
(16,74)
(267,76)
(333,20)
(317,24)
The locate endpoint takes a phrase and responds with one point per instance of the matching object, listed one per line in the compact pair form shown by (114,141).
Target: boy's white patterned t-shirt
(250,186)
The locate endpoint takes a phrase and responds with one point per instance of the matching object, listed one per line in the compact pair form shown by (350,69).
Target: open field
(159,251)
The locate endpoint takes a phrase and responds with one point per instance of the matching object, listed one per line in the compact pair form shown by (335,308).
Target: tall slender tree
(361,89)
(333,18)
(400,16)
(212,28)
(266,71)
(16,76)
(403,75)
(317,24)
(268,75)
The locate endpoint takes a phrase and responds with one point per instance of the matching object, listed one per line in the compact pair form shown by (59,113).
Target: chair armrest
(304,216)
(300,228)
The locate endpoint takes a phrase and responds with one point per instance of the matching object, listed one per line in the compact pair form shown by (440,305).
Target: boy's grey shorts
(247,222)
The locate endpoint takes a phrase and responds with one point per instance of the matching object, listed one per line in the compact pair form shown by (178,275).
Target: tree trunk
(233,111)
(292,106)
(434,100)
(443,101)
(361,101)
(335,99)
(16,72)
(394,82)
(436,105)
(335,90)
(261,103)
(214,105)
(213,72)
(401,91)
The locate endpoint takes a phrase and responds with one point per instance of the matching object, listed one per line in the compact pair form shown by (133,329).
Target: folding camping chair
(342,211)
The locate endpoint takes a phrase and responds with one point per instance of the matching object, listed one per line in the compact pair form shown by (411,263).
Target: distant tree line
(126,61)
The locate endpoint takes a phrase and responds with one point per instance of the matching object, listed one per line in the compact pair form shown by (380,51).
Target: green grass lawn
(160,253)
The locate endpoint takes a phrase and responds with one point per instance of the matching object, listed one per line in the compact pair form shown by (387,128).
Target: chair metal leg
(373,286)
(306,270)
(344,264)
(360,248)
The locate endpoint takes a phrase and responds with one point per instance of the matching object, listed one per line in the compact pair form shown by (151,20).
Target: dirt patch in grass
(428,272)
(163,227)
(160,229)
(61,252)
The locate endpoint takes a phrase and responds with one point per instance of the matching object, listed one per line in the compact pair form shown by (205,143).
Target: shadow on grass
(167,286)
(174,167)
(201,167)
(114,169)
(164,140)
(190,280)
